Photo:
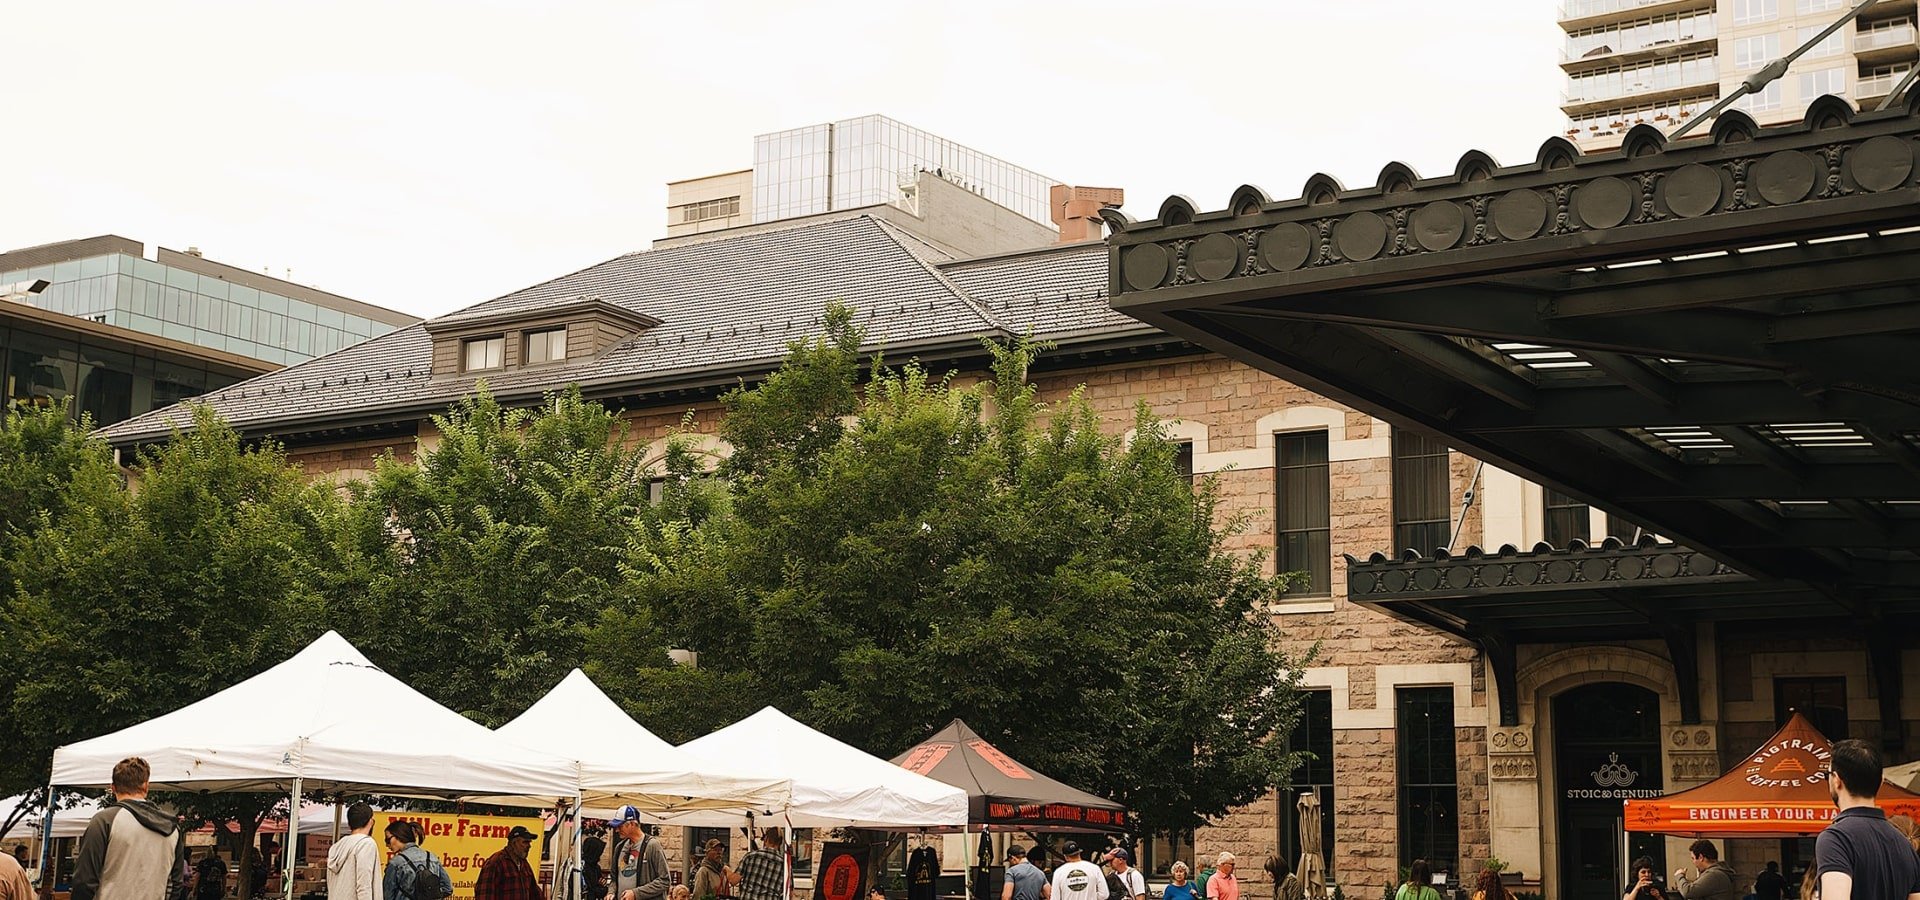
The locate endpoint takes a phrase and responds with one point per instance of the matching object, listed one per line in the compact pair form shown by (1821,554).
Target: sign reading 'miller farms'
(1779,790)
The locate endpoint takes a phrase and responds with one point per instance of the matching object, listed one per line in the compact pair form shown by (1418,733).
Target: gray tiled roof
(726,307)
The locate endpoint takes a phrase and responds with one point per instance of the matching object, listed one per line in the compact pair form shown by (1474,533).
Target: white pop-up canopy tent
(834,785)
(327,718)
(621,762)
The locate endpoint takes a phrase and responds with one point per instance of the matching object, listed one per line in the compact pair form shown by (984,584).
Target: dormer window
(546,346)
(549,336)
(484,353)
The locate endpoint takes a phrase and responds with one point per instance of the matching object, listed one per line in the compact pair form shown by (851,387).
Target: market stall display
(1778,791)
(1003,792)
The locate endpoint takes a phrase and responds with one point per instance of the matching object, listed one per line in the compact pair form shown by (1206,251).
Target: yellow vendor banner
(460,842)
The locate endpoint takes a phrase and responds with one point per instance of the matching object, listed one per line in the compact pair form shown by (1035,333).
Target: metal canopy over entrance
(1717,338)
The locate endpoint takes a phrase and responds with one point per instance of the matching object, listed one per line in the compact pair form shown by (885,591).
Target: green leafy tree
(133,601)
(897,552)
(489,558)
(42,454)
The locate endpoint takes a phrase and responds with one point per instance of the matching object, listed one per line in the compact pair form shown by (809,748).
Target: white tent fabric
(621,762)
(68,821)
(333,720)
(834,785)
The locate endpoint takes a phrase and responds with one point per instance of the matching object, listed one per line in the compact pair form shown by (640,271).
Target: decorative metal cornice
(1835,167)
(1579,567)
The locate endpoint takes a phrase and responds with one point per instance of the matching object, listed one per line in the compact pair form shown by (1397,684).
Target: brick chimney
(1076,210)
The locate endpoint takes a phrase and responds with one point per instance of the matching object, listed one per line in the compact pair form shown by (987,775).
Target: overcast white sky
(430,155)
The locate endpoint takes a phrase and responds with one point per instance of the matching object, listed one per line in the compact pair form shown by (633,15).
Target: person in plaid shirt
(506,875)
(763,873)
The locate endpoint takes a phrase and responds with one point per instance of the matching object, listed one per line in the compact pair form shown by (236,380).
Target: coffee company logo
(1615,773)
(1788,764)
(1613,781)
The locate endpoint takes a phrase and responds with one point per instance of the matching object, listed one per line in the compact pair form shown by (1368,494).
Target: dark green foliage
(494,552)
(909,550)
(133,602)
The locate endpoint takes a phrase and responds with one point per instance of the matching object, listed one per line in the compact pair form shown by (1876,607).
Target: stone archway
(1521,759)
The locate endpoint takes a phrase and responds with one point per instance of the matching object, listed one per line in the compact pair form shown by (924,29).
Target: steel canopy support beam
(1347,367)
(1683,648)
(1634,374)
(1883,656)
(1503,659)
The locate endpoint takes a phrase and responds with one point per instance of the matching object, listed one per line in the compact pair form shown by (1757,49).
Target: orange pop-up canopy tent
(1778,791)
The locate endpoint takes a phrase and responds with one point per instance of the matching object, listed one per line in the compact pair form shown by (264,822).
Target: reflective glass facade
(43,367)
(152,297)
(865,161)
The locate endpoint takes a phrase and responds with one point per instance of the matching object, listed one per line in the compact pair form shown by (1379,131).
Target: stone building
(1397,715)
(1709,341)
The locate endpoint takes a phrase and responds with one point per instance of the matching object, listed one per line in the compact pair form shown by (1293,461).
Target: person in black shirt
(1860,856)
(1646,885)
(1769,884)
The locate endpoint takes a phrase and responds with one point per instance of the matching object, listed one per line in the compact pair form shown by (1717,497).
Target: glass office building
(190,299)
(108,376)
(865,161)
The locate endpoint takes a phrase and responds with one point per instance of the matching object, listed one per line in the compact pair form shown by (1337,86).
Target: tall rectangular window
(1566,519)
(1746,12)
(1429,780)
(1833,45)
(1421,519)
(1183,459)
(546,346)
(1822,700)
(1826,81)
(1312,735)
(1754,52)
(1304,520)
(484,353)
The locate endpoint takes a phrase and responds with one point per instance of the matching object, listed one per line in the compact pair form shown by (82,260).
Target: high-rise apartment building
(849,164)
(1659,62)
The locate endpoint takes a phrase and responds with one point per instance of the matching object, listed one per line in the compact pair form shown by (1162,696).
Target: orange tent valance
(1778,791)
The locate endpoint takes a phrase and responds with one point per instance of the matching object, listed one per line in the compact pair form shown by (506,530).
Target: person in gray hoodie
(353,862)
(132,849)
(1715,879)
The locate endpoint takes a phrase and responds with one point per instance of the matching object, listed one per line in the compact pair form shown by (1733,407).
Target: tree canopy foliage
(885,548)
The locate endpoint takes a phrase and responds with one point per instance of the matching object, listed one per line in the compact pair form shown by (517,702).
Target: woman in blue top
(1179,889)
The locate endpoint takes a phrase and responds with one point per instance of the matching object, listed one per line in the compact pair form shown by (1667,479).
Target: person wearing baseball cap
(1077,879)
(1025,881)
(1132,885)
(639,862)
(507,875)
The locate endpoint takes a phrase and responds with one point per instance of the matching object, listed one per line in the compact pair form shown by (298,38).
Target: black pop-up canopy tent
(1001,792)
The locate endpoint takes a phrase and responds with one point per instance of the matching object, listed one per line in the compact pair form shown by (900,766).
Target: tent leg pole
(966,859)
(46,839)
(293,835)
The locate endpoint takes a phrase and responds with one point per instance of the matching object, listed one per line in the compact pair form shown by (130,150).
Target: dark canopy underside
(1717,339)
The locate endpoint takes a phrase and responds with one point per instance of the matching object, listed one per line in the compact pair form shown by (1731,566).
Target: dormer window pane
(485,353)
(546,346)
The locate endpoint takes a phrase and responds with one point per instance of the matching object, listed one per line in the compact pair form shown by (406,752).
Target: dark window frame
(1821,698)
(1422,492)
(1564,519)
(1312,734)
(466,353)
(1301,457)
(1429,777)
(527,339)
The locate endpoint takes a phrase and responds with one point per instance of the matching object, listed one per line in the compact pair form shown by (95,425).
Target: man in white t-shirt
(1077,879)
(1135,883)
